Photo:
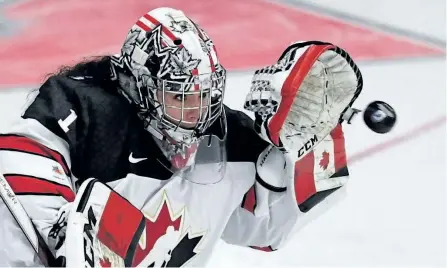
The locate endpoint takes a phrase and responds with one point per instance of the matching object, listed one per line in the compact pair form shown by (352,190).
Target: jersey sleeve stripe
(28,185)
(27,145)
(14,162)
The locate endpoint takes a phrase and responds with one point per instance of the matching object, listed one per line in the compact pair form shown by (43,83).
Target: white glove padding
(105,230)
(301,98)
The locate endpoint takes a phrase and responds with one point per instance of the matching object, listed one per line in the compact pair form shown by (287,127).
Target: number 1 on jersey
(68,121)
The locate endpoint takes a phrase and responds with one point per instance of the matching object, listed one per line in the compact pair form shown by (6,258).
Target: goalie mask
(169,68)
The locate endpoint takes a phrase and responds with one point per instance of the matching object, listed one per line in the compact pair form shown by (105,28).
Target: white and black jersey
(76,129)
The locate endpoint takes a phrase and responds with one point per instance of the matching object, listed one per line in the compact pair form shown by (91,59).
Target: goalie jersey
(74,130)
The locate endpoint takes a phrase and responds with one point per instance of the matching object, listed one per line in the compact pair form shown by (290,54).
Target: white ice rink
(395,211)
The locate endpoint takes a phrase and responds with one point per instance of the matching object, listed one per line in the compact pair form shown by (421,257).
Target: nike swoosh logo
(135,160)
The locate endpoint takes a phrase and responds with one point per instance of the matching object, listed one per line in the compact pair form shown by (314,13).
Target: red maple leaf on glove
(324,162)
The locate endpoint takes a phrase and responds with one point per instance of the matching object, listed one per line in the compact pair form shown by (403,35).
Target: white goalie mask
(178,81)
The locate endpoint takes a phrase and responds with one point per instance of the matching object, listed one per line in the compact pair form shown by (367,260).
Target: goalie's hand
(304,95)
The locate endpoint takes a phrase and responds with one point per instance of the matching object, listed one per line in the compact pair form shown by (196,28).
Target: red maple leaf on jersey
(138,238)
(154,230)
(324,162)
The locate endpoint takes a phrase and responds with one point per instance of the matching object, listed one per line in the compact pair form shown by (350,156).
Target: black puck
(380,117)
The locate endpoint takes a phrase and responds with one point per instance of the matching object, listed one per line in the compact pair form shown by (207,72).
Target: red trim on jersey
(304,178)
(291,86)
(339,148)
(27,145)
(249,202)
(22,184)
(118,224)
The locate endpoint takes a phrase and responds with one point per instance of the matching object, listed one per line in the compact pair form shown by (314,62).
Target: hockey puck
(380,117)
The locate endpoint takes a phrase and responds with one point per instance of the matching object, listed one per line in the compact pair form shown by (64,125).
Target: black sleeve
(98,135)
(57,99)
(243,143)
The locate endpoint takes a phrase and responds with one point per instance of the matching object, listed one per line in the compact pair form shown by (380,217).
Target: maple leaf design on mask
(182,62)
(181,26)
